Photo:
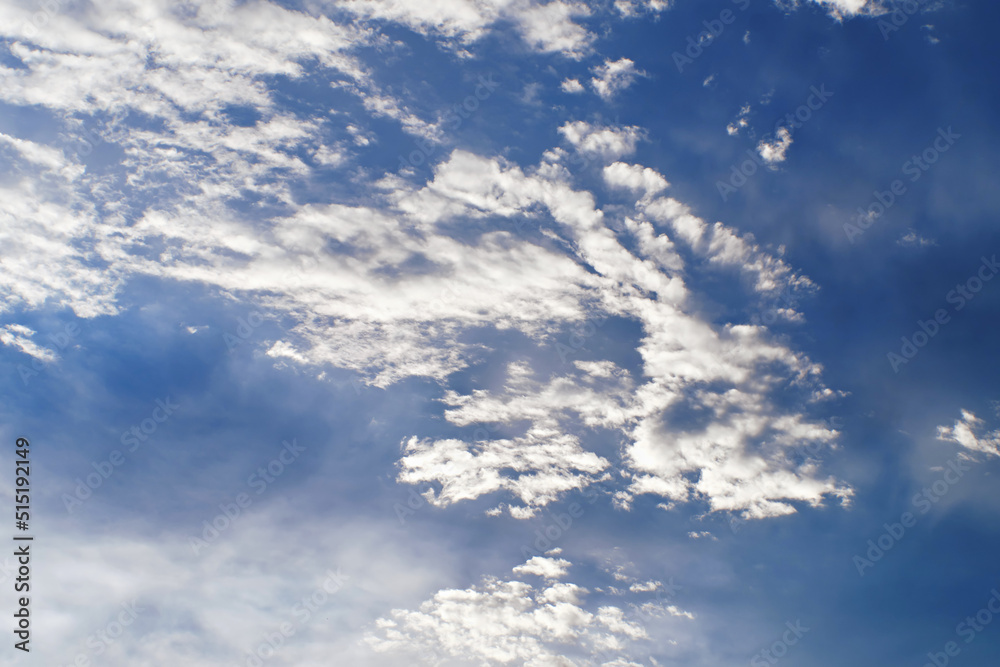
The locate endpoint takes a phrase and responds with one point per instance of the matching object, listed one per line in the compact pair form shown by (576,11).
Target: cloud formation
(502,622)
(964,432)
(613,76)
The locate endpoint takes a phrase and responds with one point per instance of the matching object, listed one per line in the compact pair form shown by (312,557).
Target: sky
(502,332)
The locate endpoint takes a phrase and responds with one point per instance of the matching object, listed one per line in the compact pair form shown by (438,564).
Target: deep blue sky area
(523,322)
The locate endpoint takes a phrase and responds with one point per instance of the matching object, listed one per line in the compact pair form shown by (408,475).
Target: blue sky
(503,332)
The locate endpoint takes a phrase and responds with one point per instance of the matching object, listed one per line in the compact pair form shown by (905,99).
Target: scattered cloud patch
(914,240)
(607,142)
(18,336)
(510,621)
(966,431)
(774,151)
(840,9)
(613,77)
(741,122)
(635,8)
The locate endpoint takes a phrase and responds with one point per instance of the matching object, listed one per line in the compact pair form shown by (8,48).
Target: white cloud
(634,8)
(914,240)
(540,467)
(606,142)
(740,123)
(571,86)
(381,288)
(613,77)
(634,177)
(964,432)
(741,453)
(549,568)
(510,622)
(773,152)
(18,336)
(547,27)
(847,8)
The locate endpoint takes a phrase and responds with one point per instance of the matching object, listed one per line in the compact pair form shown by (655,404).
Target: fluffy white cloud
(773,151)
(613,77)
(549,568)
(550,28)
(571,86)
(541,465)
(511,622)
(606,142)
(634,177)
(547,27)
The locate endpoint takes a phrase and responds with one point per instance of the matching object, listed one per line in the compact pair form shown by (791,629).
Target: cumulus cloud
(511,621)
(634,177)
(571,86)
(773,152)
(606,142)
(550,28)
(549,568)
(613,76)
